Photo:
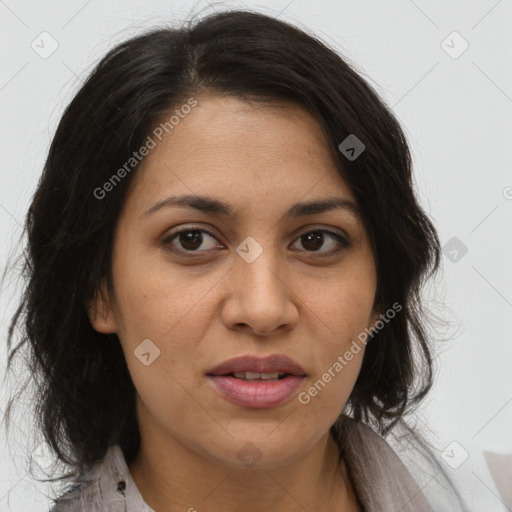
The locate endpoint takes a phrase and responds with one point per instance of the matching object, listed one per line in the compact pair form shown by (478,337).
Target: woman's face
(256,281)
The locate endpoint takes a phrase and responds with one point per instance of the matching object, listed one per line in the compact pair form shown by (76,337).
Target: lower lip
(256,394)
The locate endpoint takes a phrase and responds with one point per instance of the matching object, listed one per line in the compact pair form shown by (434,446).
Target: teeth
(257,376)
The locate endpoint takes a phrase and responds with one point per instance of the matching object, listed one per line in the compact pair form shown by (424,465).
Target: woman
(225,255)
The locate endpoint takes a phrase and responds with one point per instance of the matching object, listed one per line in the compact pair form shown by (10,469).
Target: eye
(190,239)
(314,240)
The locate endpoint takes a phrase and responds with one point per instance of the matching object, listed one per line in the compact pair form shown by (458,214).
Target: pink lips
(257,394)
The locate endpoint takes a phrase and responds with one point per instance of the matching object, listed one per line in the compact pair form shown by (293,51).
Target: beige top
(381,481)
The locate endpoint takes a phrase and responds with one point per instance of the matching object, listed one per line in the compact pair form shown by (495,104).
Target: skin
(204,307)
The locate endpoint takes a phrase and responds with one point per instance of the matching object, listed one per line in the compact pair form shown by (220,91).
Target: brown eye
(190,240)
(313,241)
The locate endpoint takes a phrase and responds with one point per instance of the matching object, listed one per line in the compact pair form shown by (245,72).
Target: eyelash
(342,240)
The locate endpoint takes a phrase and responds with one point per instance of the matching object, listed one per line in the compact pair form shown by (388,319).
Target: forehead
(227,146)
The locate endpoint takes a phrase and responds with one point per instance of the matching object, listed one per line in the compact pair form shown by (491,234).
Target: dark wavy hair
(85,398)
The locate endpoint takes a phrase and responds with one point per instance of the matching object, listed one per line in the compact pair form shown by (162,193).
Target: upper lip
(269,364)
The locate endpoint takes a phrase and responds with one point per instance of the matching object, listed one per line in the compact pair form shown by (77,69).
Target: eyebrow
(217,207)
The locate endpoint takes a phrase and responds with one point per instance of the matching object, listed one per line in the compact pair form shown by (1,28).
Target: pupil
(315,238)
(191,239)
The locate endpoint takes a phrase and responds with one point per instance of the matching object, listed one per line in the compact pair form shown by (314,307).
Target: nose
(261,299)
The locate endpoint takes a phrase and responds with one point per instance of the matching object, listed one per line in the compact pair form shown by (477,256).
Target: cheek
(166,380)
(157,299)
(323,398)
(341,307)
(327,391)
(159,336)
(167,405)
(339,312)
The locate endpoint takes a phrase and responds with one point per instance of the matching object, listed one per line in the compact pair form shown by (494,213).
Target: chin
(258,450)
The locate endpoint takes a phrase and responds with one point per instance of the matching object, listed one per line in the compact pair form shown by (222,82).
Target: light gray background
(456,113)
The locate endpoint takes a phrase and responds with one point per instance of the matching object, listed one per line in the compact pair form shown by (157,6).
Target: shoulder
(384,474)
(97,491)
(85,496)
(71,501)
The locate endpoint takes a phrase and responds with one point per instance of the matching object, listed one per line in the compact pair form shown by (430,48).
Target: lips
(277,363)
(257,382)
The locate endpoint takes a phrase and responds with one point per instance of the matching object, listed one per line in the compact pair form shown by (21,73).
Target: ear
(100,312)
(376,314)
